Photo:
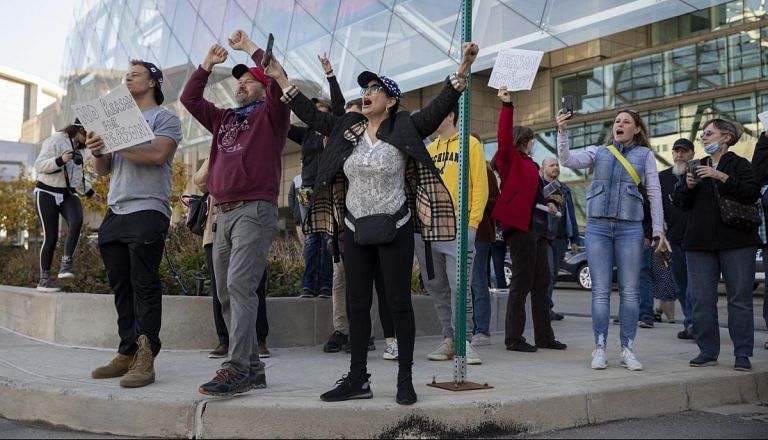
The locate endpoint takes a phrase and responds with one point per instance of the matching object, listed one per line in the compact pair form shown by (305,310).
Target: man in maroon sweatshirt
(244,179)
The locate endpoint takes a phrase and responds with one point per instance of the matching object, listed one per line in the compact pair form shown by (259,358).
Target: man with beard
(244,179)
(676,221)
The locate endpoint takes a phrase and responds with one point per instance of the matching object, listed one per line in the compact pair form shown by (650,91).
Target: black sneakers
(524,347)
(742,364)
(554,345)
(229,382)
(350,386)
(406,395)
(702,361)
(335,343)
(684,334)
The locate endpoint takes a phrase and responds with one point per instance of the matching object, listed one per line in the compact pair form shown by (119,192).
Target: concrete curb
(277,417)
(88,320)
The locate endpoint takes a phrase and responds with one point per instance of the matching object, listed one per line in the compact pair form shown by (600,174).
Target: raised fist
(239,41)
(470,52)
(504,95)
(216,55)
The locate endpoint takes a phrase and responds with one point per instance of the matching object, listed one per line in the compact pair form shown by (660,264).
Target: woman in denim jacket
(615,225)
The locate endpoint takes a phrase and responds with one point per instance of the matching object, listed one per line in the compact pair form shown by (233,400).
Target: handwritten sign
(764,119)
(515,69)
(116,118)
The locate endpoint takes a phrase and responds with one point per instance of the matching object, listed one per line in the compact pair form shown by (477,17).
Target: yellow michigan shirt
(445,155)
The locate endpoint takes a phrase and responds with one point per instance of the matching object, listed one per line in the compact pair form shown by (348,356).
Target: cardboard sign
(116,118)
(764,119)
(515,69)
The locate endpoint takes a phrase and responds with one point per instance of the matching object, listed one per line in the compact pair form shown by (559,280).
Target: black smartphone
(693,165)
(268,52)
(567,105)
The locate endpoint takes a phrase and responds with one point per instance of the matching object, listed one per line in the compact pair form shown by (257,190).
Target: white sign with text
(764,119)
(116,118)
(515,69)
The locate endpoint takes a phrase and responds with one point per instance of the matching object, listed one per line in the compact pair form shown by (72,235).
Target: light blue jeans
(618,243)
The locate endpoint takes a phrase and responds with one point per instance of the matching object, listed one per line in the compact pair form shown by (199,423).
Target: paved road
(14,430)
(738,421)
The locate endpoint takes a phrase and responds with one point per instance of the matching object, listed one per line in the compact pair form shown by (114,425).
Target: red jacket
(245,161)
(519,178)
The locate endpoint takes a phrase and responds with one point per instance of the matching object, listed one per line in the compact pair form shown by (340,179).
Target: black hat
(157,75)
(393,90)
(683,143)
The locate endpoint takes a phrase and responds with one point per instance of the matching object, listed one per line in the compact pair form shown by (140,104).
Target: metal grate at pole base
(461,384)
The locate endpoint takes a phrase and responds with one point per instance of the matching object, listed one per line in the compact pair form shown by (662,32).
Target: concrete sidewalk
(532,392)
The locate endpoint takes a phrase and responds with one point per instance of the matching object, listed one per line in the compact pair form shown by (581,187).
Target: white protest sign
(515,69)
(116,118)
(764,119)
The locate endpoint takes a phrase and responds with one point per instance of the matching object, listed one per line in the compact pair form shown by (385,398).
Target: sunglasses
(374,89)
(707,133)
(628,110)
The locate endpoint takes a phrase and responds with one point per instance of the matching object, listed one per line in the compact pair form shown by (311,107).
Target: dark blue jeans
(738,269)
(646,287)
(680,274)
(318,265)
(556,254)
(498,255)
(481,297)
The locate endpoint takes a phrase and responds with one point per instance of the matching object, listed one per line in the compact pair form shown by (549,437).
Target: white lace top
(376,174)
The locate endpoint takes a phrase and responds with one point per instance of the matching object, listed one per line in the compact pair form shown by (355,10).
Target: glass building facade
(692,51)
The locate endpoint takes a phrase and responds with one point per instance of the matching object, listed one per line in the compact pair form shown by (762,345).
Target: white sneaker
(472,357)
(444,352)
(390,352)
(629,361)
(480,339)
(599,362)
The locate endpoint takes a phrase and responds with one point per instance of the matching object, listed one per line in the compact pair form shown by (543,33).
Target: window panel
(587,89)
(711,62)
(744,57)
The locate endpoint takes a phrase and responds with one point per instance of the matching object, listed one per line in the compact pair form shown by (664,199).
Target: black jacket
(706,230)
(311,141)
(429,200)
(675,218)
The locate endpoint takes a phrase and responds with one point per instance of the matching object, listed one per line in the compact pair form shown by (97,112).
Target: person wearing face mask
(615,213)
(377,183)
(60,177)
(676,221)
(715,245)
(244,180)
(521,191)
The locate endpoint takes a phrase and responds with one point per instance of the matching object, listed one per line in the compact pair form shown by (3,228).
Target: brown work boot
(142,371)
(115,368)
(263,350)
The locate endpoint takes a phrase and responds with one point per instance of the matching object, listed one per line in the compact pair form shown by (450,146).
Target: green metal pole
(462,284)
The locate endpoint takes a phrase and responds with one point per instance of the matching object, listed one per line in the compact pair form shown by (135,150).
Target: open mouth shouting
(367,102)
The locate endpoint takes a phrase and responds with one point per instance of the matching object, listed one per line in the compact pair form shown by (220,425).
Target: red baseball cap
(240,69)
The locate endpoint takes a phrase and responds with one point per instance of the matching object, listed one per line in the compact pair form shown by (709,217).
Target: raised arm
(337,98)
(303,108)
(192,98)
(430,117)
(507,154)
(582,159)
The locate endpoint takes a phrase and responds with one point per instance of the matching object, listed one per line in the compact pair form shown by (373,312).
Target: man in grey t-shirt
(132,235)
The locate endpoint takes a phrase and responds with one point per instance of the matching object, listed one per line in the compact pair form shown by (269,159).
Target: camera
(77,157)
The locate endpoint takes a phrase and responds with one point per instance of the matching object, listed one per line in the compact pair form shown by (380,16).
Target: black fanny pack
(378,228)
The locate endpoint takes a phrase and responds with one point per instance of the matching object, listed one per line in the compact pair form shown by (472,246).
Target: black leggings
(395,261)
(72,211)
